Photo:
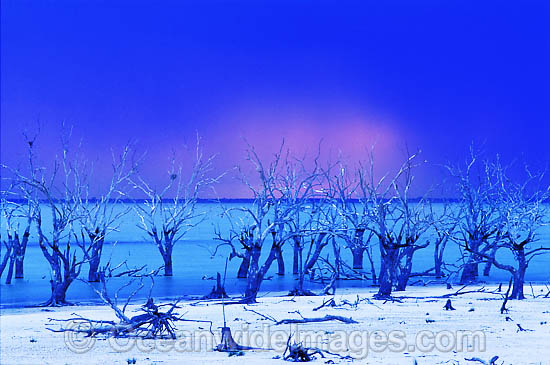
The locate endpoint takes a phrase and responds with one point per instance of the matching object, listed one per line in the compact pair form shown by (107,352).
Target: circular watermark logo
(77,341)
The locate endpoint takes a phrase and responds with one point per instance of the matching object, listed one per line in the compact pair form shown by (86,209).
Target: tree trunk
(320,243)
(357,253)
(438,260)
(387,269)
(59,283)
(11,265)
(256,274)
(96,241)
(519,276)
(93,276)
(20,254)
(5,259)
(385,279)
(489,264)
(470,271)
(168,271)
(295,267)
(372,268)
(301,274)
(253,278)
(358,249)
(405,269)
(280,261)
(59,292)
(19,267)
(245,264)
(437,269)
(337,264)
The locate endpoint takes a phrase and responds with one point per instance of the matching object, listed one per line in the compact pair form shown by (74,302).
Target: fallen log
(326,318)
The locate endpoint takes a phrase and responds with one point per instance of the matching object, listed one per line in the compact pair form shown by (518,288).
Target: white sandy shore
(25,339)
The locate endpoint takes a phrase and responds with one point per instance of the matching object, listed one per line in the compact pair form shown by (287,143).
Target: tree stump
(227,343)
(448,306)
(218,291)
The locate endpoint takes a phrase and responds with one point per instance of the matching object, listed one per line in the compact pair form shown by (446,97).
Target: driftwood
(326,318)
(460,291)
(354,305)
(327,303)
(521,329)
(268,317)
(303,319)
(151,323)
(492,361)
(297,352)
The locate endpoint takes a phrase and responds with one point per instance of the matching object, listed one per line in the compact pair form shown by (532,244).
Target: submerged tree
(479,223)
(17,217)
(306,200)
(444,226)
(57,190)
(100,216)
(253,225)
(522,211)
(166,215)
(397,226)
(351,202)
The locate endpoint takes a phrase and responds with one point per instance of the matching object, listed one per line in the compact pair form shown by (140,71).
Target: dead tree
(56,190)
(350,200)
(444,226)
(414,219)
(522,212)
(307,202)
(153,321)
(263,218)
(166,215)
(480,218)
(14,213)
(100,216)
(393,222)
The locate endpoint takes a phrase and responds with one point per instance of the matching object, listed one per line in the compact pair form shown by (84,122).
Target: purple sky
(434,75)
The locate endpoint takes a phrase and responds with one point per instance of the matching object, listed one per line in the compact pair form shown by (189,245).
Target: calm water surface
(194,266)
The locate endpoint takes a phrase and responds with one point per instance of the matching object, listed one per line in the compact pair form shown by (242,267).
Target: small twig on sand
(268,317)
(521,329)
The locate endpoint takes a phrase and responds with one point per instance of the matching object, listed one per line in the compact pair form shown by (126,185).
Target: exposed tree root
(297,352)
(152,323)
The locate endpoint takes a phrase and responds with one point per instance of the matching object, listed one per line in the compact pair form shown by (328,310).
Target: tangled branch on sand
(297,352)
(151,323)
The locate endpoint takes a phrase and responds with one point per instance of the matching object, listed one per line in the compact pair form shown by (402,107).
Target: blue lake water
(194,265)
